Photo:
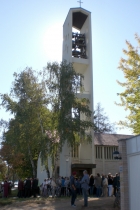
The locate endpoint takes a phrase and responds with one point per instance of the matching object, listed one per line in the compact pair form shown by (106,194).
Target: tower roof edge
(77,9)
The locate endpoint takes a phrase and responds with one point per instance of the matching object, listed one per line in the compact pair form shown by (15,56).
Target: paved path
(62,204)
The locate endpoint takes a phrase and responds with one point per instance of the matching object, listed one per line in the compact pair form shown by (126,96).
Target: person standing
(62,186)
(85,187)
(44,187)
(115,184)
(78,185)
(118,181)
(73,189)
(20,188)
(34,187)
(110,185)
(98,183)
(91,184)
(53,186)
(6,187)
(27,187)
(105,186)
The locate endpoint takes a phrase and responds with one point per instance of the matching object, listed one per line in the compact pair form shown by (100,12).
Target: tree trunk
(40,123)
(32,162)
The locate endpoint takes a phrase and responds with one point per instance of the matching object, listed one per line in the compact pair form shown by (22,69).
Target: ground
(61,204)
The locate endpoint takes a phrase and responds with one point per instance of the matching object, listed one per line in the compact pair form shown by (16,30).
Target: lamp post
(116,155)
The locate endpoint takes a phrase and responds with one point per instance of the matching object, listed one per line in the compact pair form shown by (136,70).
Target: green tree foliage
(63,83)
(130,97)
(3,169)
(101,121)
(27,101)
(35,129)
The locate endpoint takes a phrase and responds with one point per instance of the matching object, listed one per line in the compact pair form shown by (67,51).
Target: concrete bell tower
(77,49)
(77,46)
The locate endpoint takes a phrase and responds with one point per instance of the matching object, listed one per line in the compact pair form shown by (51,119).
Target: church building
(77,49)
(96,156)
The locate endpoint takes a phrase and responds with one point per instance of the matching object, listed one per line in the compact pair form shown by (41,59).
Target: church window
(75,151)
(108,152)
(98,152)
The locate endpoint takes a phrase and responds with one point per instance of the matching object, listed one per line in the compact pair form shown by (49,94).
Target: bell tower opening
(78,39)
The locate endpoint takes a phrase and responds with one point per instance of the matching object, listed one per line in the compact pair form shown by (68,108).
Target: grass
(10,199)
(6,201)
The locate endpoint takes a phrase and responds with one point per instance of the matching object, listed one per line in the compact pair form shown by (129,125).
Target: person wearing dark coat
(6,187)
(115,184)
(73,189)
(34,187)
(27,187)
(110,185)
(91,184)
(20,188)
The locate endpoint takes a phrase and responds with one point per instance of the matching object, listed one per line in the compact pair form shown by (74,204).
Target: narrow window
(75,151)
(96,152)
(101,152)
(104,152)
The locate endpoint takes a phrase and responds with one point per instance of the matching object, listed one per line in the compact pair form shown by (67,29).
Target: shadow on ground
(61,204)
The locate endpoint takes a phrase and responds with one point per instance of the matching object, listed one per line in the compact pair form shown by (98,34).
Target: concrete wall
(107,166)
(105,163)
(41,171)
(133,158)
(67,38)
(85,153)
(130,173)
(124,181)
(134,181)
(65,161)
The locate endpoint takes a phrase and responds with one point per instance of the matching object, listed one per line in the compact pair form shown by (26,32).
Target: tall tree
(27,101)
(34,128)
(130,97)
(101,121)
(63,83)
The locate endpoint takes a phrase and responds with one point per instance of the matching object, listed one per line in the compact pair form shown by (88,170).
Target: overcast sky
(31,35)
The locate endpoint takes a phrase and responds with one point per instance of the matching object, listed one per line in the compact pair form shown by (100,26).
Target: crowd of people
(104,185)
(90,185)
(99,185)
(26,188)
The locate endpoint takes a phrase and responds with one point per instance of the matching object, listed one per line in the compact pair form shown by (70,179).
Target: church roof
(80,8)
(107,139)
